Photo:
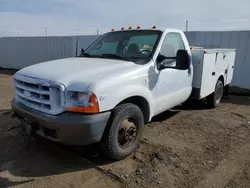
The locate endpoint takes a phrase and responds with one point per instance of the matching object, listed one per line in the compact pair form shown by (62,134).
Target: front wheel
(214,99)
(123,132)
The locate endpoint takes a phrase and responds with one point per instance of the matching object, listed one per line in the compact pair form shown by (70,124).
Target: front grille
(39,95)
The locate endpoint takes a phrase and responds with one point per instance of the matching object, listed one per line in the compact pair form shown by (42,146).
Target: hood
(77,71)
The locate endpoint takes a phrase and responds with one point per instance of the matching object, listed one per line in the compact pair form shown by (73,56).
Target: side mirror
(160,58)
(182,60)
(165,62)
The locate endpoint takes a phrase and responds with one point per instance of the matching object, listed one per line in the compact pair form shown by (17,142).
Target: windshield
(135,45)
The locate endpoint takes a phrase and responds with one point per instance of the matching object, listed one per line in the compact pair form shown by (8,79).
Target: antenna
(97,31)
(78,27)
(76,45)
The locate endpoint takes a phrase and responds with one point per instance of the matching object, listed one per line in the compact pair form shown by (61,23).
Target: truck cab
(154,76)
(108,93)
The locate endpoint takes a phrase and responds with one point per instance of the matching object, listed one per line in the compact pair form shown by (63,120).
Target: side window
(171,44)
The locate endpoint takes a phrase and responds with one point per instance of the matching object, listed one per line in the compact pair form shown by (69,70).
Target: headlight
(78,97)
(82,102)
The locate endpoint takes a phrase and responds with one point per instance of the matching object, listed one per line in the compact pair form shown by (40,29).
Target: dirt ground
(185,147)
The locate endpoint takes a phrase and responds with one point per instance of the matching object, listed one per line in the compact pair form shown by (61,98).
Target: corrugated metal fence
(19,52)
(234,39)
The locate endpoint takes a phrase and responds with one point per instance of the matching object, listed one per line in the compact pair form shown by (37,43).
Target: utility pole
(97,31)
(186,25)
(78,26)
(46,33)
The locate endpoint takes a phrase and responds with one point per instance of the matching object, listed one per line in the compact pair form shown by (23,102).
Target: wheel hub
(219,93)
(127,133)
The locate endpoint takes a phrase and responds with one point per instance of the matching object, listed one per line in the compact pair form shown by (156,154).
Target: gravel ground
(186,147)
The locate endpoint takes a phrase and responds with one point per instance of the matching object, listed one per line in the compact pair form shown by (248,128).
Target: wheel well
(142,103)
(221,78)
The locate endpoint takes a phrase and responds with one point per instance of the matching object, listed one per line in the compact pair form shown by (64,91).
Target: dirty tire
(226,91)
(110,145)
(214,99)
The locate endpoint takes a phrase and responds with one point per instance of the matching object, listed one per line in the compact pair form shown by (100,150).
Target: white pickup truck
(116,86)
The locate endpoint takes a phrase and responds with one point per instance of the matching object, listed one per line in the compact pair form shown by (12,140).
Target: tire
(226,91)
(113,138)
(214,99)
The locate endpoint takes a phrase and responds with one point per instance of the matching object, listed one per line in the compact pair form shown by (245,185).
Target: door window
(171,44)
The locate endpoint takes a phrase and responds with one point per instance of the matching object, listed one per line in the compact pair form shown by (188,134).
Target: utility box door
(209,77)
(230,57)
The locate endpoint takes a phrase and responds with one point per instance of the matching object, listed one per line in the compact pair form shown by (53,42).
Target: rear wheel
(123,132)
(214,99)
(226,91)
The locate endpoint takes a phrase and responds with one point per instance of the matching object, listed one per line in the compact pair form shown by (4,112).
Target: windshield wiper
(114,56)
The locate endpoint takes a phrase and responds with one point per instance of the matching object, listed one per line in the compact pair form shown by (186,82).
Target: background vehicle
(117,85)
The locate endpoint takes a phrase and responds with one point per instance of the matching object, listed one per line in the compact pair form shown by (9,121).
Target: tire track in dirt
(105,172)
(227,168)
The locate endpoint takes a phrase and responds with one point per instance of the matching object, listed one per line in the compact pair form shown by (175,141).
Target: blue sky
(62,17)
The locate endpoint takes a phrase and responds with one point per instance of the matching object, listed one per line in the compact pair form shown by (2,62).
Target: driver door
(174,85)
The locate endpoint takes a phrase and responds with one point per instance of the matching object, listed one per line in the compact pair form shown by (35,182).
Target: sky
(64,17)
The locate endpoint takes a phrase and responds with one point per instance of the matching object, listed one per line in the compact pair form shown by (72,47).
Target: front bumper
(66,128)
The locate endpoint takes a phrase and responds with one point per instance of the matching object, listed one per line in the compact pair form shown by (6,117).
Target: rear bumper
(66,128)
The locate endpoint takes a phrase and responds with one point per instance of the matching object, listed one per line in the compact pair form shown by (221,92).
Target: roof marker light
(122,28)
(130,27)
(154,27)
(138,27)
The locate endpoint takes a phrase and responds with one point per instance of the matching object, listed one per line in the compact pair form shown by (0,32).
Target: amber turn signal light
(91,109)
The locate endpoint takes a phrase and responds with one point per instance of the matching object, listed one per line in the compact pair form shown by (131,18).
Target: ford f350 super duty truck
(116,86)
